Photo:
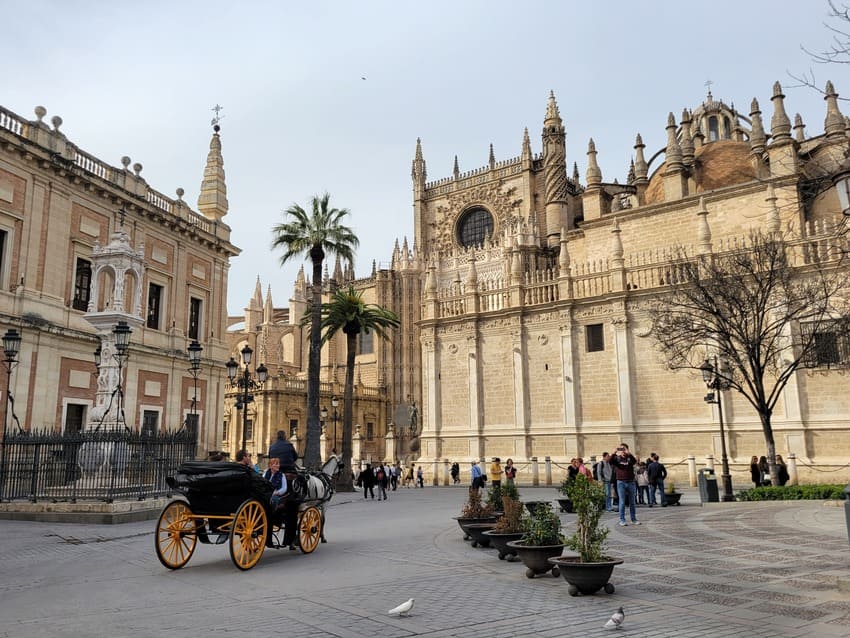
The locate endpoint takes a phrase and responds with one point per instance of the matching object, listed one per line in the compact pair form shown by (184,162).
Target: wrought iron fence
(102,466)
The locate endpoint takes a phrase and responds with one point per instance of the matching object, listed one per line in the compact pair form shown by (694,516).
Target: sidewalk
(739,569)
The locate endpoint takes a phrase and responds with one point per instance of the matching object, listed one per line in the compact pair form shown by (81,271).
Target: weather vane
(708,84)
(217,109)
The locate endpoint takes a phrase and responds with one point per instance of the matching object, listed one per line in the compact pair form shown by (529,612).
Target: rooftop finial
(708,84)
(217,109)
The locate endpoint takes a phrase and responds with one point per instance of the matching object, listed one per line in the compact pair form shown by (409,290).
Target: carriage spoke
(176,535)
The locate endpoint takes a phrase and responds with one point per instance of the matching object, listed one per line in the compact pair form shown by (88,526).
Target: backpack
(380,474)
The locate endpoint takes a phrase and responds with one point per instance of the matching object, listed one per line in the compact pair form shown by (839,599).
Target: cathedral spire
(780,125)
(757,136)
(594,173)
(212,201)
(526,146)
(833,125)
(687,141)
(673,154)
(456,169)
(557,210)
(641,168)
(492,158)
(257,299)
(268,309)
(418,172)
(799,128)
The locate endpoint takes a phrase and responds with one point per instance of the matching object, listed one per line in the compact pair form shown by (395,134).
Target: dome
(716,165)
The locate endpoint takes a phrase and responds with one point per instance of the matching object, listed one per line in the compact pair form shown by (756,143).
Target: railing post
(548,462)
(692,470)
(792,469)
(535,472)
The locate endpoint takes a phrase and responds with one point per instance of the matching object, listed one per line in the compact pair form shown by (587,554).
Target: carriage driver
(284,451)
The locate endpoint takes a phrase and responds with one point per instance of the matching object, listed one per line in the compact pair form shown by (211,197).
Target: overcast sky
(140,79)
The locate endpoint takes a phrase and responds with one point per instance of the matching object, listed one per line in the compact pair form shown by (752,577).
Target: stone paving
(722,570)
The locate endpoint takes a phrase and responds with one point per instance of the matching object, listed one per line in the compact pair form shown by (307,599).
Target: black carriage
(230,503)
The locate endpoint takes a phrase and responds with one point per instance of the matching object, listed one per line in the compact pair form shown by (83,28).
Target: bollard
(446,471)
(548,461)
(709,462)
(535,472)
(692,470)
(847,510)
(792,469)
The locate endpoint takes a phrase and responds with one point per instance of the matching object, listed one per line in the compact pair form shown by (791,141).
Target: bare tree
(838,51)
(765,309)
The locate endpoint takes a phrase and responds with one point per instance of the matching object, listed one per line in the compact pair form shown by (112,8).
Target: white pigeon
(403,609)
(616,620)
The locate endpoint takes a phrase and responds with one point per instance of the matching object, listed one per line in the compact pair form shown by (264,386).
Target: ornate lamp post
(335,405)
(194,351)
(245,383)
(122,345)
(11,347)
(717,379)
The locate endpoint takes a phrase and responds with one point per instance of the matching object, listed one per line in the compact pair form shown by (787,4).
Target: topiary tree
(589,537)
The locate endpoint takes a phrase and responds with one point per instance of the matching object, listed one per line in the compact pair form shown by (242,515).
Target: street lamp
(122,346)
(11,347)
(718,381)
(335,404)
(194,351)
(245,383)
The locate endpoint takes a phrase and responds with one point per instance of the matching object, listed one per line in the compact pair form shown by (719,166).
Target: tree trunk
(344,482)
(312,451)
(771,448)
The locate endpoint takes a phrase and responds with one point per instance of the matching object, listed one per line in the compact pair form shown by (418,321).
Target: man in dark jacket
(285,451)
(656,473)
(624,470)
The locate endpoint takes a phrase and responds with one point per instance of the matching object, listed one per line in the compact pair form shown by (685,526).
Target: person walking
(755,472)
(381,482)
(366,479)
(496,472)
(477,478)
(642,480)
(408,476)
(623,463)
(510,471)
(656,473)
(455,472)
(605,473)
(764,470)
(781,470)
(420,477)
(395,475)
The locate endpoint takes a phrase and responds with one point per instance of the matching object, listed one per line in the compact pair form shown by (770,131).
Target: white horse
(317,488)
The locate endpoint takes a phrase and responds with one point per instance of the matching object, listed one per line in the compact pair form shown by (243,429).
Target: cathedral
(525,302)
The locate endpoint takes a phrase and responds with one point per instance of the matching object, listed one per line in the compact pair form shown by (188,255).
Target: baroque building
(527,292)
(84,244)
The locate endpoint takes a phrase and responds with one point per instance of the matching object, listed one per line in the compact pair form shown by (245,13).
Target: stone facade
(60,210)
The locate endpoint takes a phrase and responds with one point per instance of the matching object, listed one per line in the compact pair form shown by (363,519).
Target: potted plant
(589,571)
(671,496)
(474,511)
(508,528)
(541,540)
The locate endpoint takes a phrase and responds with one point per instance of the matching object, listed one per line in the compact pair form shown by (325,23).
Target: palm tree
(316,235)
(347,311)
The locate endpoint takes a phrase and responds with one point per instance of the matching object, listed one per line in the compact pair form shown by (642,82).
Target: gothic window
(367,342)
(82,285)
(713,132)
(829,349)
(154,305)
(474,226)
(370,431)
(727,129)
(194,318)
(595,337)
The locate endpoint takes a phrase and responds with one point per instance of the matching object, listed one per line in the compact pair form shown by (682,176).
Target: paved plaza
(722,570)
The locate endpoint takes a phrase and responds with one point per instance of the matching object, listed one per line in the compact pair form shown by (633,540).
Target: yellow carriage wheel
(248,534)
(309,529)
(176,535)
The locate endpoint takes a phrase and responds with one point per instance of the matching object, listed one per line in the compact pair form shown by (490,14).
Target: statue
(414,418)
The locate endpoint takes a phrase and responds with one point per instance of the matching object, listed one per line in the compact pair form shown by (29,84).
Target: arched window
(474,226)
(713,133)
(727,129)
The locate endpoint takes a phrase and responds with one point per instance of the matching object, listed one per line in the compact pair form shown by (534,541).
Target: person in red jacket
(623,463)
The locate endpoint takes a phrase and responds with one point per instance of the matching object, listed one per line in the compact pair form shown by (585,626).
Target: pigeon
(616,620)
(403,609)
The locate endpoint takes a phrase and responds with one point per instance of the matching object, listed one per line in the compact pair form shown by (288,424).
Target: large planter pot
(586,578)
(477,531)
(500,542)
(673,499)
(531,506)
(536,557)
(463,522)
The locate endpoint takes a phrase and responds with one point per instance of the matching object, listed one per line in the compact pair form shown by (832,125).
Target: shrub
(792,493)
(543,527)
(474,508)
(589,537)
(511,520)
(496,493)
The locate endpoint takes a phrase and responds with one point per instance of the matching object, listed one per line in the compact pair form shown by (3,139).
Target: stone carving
(500,202)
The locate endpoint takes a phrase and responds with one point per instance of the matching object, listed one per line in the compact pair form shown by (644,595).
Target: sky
(331,96)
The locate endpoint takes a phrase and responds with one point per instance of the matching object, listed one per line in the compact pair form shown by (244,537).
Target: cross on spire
(217,109)
(708,84)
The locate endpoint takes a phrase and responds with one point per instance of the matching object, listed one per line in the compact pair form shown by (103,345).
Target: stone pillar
(356,445)
(390,445)
(709,461)
(692,470)
(535,472)
(548,462)
(792,469)
(446,471)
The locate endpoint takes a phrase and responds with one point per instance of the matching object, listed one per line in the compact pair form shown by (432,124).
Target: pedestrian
(572,470)
(656,473)
(477,478)
(623,463)
(420,477)
(408,477)
(455,472)
(381,481)
(395,474)
(510,471)
(605,472)
(583,469)
(285,452)
(366,480)
(764,470)
(781,470)
(755,472)
(496,472)
(642,480)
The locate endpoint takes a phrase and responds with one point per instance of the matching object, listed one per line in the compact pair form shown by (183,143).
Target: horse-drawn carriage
(230,502)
